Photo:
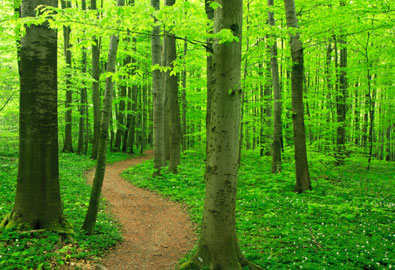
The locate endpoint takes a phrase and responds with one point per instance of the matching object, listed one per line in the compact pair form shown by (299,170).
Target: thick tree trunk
(37,201)
(95,90)
(158,102)
(91,215)
(302,169)
(218,247)
(68,139)
(277,133)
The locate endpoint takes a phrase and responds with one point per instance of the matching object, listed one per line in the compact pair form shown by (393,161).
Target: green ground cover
(346,222)
(21,251)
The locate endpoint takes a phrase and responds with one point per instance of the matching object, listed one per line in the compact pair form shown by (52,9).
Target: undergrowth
(37,250)
(346,222)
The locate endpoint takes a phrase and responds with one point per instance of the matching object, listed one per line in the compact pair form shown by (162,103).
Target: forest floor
(157,232)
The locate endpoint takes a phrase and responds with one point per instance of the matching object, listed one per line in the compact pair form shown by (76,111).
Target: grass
(346,222)
(22,251)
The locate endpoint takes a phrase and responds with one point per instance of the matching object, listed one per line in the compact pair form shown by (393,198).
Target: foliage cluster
(39,250)
(346,222)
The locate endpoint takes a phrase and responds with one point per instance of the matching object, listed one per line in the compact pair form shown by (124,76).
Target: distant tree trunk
(120,117)
(37,201)
(268,101)
(218,247)
(277,133)
(95,90)
(184,101)
(68,142)
(159,147)
(91,215)
(143,118)
(262,141)
(83,100)
(341,101)
(172,98)
(302,170)
(243,93)
(128,114)
(133,118)
(209,62)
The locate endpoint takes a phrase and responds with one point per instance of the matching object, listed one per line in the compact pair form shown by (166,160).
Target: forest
(191,134)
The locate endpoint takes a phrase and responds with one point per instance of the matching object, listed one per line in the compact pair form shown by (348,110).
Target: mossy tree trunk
(37,201)
(302,169)
(91,215)
(218,247)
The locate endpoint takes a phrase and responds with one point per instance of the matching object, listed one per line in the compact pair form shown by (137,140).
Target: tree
(95,89)
(68,138)
(171,88)
(83,103)
(277,133)
(302,170)
(218,247)
(91,215)
(158,97)
(37,201)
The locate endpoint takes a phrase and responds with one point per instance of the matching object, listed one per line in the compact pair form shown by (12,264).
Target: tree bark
(121,116)
(302,170)
(91,215)
(158,101)
(184,101)
(218,247)
(277,132)
(341,108)
(83,100)
(209,67)
(68,141)
(95,90)
(37,201)
(171,82)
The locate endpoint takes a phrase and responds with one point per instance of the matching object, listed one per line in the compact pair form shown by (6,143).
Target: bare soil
(157,232)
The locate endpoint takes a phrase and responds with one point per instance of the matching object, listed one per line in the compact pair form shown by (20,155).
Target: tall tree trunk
(121,116)
(91,215)
(209,67)
(341,101)
(302,169)
(184,101)
(133,118)
(68,141)
(218,247)
(37,201)
(172,98)
(277,133)
(158,102)
(83,100)
(95,90)
(143,118)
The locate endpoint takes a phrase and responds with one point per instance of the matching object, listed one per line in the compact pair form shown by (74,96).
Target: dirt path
(157,232)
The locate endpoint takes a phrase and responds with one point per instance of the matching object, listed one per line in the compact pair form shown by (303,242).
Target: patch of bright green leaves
(346,222)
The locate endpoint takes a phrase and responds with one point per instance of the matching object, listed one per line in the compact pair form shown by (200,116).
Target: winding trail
(157,232)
